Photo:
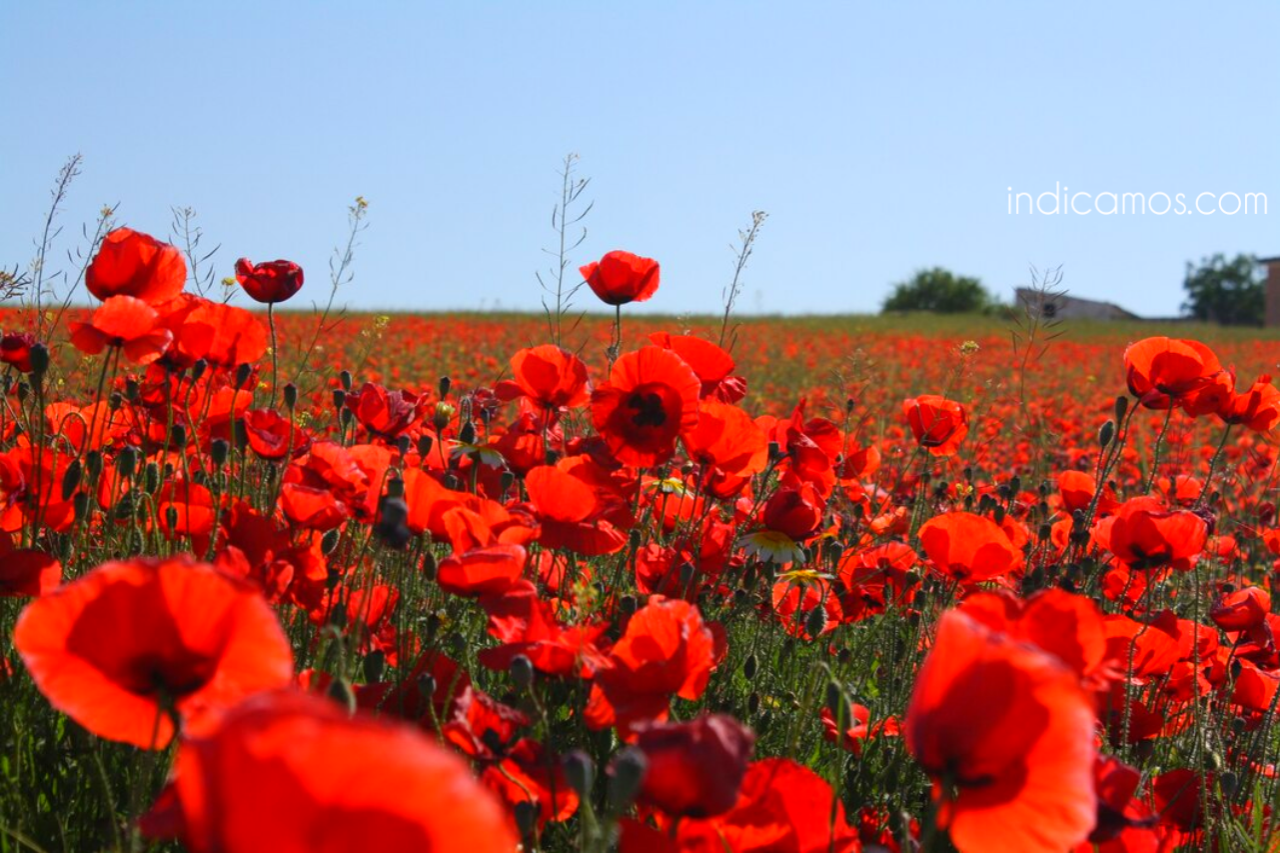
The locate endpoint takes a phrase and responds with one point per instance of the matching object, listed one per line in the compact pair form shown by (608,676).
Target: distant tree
(940,291)
(1226,292)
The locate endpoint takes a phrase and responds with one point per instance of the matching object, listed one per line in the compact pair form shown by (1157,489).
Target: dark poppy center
(648,409)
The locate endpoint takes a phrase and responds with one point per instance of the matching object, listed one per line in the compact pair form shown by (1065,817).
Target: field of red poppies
(292,581)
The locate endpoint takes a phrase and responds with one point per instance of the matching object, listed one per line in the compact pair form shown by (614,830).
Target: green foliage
(1226,292)
(940,291)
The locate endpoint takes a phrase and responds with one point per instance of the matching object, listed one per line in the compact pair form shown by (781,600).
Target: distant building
(1061,306)
(1272,315)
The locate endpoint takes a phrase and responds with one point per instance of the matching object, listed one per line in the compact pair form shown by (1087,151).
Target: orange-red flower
(667,650)
(126,322)
(621,277)
(116,649)
(1166,372)
(1143,534)
(270,281)
(547,375)
(969,547)
(1258,408)
(130,263)
(290,772)
(482,571)
(223,335)
(650,400)
(710,362)
(1006,733)
(938,424)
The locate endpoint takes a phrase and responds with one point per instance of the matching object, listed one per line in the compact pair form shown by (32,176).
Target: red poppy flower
(651,399)
(130,263)
(290,772)
(112,648)
(15,349)
(127,322)
(938,424)
(527,625)
(729,443)
(1143,534)
(26,571)
(547,375)
(795,513)
(1006,733)
(386,414)
(712,365)
(1240,610)
(1166,372)
(695,769)
(269,282)
(969,547)
(483,571)
(1258,408)
(860,728)
(273,436)
(666,650)
(621,277)
(223,335)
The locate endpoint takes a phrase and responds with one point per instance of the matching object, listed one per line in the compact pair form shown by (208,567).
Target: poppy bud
(526,815)
(424,445)
(178,436)
(115,401)
(1229,781)
(426,686)
(1122,407)
(340,691)
(375,663)
(444,386)
(170,514)
(395,486)
(506,481)
(132,390)
(338,615)
(749,667)
(1238,724)
(625,777)
(71,479)
(433,626)
(521,669)
(290,395)
(443,413)
(329,542)
(775,451)
(429,566)
(39,360)
(816,621)
(753,704)
(627,605)
(80,505)
(467,435)
(1106,433)
(835,702)
(339,398)
(127,462)
(151,477)
(402,446)
(579,772)
(219,450)
(347,418)
(345,378)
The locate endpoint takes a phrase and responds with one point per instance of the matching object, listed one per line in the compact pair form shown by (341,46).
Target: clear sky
(880,138)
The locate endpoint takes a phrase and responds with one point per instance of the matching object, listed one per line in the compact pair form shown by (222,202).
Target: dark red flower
(112,649)
(621,277)
(270,281)
(15,349)
(130,263)
(26,571)
(695,769)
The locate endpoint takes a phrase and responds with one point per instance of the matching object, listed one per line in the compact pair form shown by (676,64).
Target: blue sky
(880,138)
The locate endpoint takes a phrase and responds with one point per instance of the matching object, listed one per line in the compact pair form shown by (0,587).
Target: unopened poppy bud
(1106,433)
(339,398)
(849,404)
(452,483)
(375,663)
(338,615)
(24,390)
(347,418)
(1238,724)
(775,451)
(521,669)
(635,537)
(395,486)
(424,445)
(127,462)
(39,355)
(627,605)
(219,450)
(426,686)
(132,390)
(579,772)
(835,550)
(444,386)
(402,446)
(341,691)
(442,415)
(626,775)
(835,701)
(93,464)
(329,542)
(687,573)
(243,372)
(80,505)
(115,401)
(816,621)
(290,395)
(434,623)
(198,369)
(170,516)
(1122,407)
(151,477)
(345,378)
(467,435)
(1229,782)
(526,815)
(429,566)
(71,479)
(998,514)
(178,436)
(749,666)
(753,704)
(506,481)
